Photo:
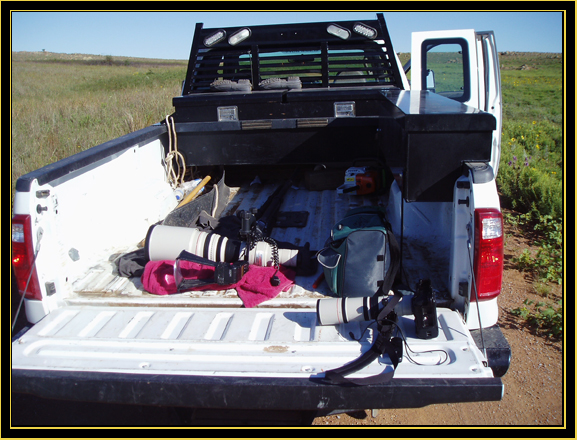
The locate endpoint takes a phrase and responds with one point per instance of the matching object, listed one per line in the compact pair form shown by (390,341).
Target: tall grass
(65,104)
(61,107)
(531,170)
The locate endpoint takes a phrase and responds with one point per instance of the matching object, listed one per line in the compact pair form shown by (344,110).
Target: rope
(175,177)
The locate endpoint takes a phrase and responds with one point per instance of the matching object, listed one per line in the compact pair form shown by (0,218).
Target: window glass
(445,69)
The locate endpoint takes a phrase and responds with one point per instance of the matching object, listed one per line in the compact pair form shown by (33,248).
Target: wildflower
(553,172)
(537,146)
(534,122)
(510,163)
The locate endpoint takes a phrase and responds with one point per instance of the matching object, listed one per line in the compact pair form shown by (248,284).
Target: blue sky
(169,34)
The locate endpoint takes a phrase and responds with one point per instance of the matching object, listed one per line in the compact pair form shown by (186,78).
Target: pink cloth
(253,289)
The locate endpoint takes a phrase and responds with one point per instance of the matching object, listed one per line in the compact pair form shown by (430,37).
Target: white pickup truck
(262,101)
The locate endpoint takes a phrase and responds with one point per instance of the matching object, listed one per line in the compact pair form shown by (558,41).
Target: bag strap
(393,347)
(395,263)
(367,209)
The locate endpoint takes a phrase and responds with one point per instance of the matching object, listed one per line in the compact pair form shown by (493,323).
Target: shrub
(547,318)
(530,175)
(547,261)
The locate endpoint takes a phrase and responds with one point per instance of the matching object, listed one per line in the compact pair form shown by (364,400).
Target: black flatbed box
(428,136)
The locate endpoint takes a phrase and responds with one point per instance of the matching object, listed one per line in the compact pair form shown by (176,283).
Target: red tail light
(23,256)
(488,259)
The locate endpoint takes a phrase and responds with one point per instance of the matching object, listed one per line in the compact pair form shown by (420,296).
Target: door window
(446,68)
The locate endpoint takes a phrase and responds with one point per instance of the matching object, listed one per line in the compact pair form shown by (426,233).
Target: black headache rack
(336,117)
(335,54)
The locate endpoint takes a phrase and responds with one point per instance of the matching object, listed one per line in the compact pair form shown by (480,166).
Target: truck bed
(102,285)
(111,325)
(114,321)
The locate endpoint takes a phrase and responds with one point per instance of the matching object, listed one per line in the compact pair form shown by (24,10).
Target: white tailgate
(229,342)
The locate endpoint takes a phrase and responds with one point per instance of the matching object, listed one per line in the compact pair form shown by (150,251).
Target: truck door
(462,65)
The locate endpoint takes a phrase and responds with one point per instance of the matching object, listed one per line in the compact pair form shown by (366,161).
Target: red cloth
(253,289)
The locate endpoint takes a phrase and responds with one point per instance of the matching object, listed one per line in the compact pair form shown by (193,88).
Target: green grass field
(62,104)
(531,170)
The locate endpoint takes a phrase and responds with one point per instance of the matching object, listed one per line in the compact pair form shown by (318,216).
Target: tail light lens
(488,257)
(23,257)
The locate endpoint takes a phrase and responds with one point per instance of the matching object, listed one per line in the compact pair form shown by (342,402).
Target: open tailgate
(263,358)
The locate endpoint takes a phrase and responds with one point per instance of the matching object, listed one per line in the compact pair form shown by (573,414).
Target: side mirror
(430,80)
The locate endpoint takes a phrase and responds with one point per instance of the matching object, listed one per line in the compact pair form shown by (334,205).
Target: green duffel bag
(361,257)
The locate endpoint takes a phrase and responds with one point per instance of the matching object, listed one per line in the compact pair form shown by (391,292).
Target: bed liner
(102,283)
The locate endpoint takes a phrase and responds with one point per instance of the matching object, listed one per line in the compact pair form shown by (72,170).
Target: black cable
(352,335)
(418,352)
(408,349)
(255,237)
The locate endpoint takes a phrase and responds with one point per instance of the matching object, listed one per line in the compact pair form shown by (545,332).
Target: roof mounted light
(366,31)
(239,36)
(217,37)
(338,31)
